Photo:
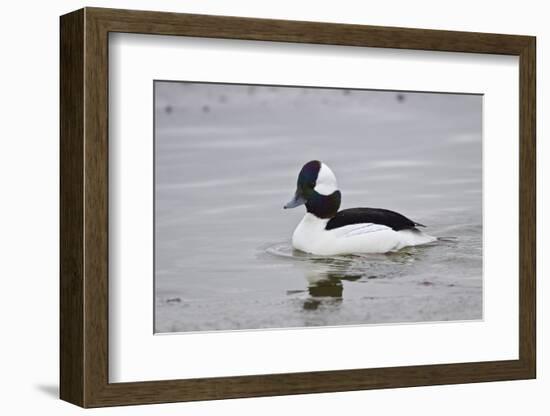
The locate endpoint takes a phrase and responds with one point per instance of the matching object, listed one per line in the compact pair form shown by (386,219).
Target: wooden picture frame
(84,207)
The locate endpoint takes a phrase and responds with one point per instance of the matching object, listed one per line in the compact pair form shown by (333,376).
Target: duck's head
(317,190)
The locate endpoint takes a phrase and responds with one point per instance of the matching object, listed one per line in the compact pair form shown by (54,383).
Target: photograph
(292,206)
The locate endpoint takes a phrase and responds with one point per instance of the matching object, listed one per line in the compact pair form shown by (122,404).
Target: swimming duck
(326,231)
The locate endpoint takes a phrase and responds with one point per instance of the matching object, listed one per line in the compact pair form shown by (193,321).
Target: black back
(381,216)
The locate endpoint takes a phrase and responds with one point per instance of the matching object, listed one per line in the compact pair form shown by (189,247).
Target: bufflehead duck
(326,231)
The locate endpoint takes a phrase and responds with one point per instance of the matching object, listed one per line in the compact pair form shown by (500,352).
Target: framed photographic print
(255,207)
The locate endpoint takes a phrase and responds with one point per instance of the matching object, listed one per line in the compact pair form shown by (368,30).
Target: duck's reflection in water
(325,278)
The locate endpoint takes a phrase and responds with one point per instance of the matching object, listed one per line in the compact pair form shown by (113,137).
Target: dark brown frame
(84,211)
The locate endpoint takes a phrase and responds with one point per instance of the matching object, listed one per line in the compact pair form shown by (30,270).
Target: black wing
(381,216)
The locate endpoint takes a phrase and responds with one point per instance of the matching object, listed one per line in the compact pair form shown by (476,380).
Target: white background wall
(29,206)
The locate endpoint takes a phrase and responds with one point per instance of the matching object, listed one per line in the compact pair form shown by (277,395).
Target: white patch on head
(326,181)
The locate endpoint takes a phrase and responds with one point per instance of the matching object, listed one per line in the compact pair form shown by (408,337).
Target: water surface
(226,161)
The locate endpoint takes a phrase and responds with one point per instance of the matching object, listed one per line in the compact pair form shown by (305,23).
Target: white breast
(311,237)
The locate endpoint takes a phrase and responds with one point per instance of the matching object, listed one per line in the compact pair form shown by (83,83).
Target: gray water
(226,161)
